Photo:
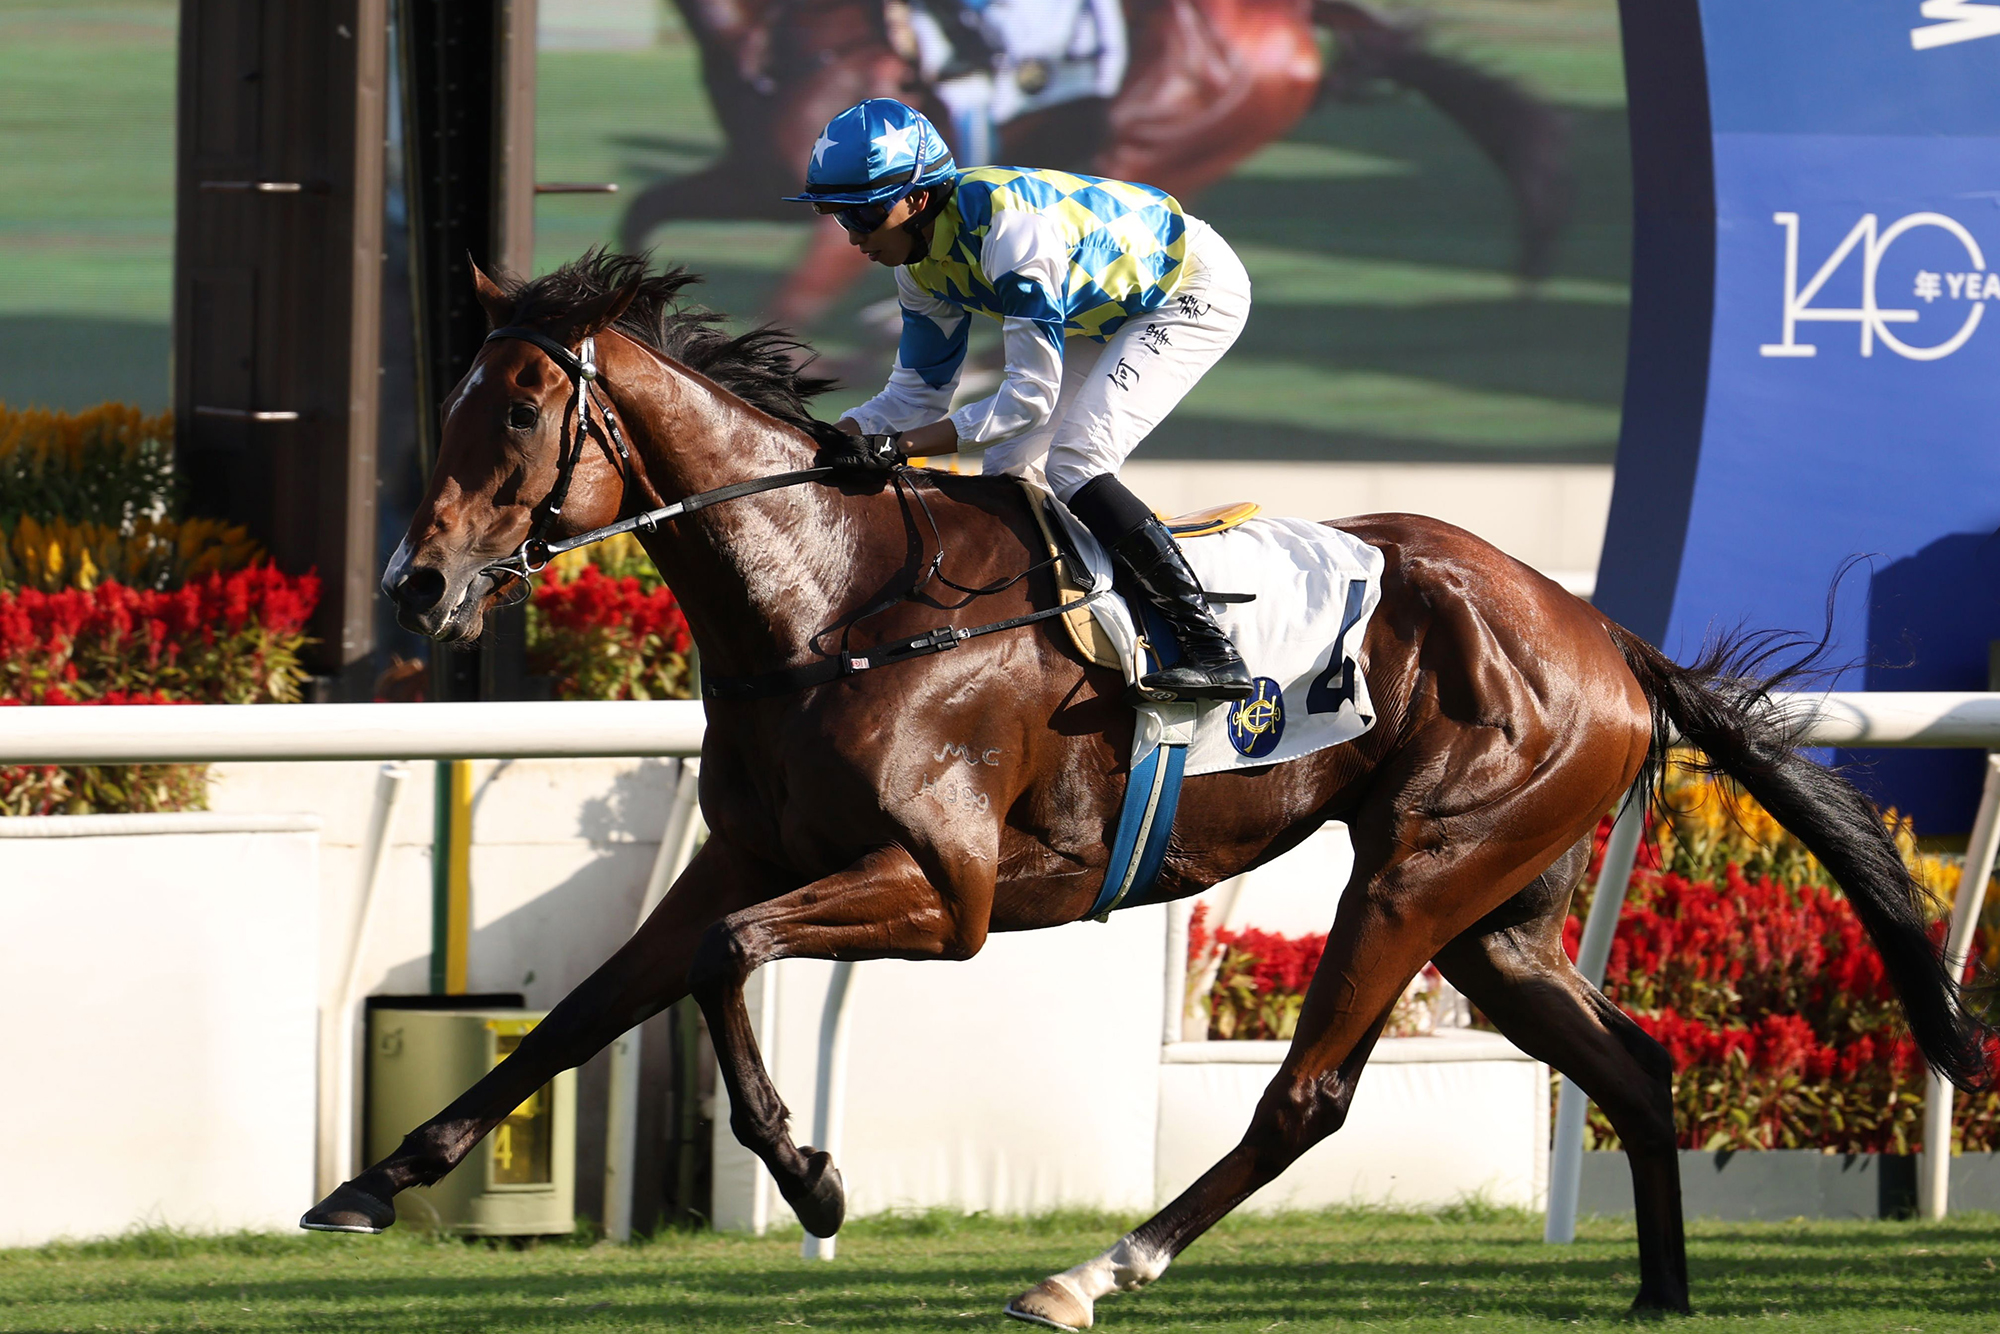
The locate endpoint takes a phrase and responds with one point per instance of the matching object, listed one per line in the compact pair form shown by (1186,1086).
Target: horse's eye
(521,416)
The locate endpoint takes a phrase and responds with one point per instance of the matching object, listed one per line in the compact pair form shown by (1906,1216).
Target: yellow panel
(1215,519)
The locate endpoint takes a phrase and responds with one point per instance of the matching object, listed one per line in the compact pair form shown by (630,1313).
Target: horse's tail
(1528,139)
(1721,706)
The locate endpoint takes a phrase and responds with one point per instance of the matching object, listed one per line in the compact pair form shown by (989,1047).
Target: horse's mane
(762,366)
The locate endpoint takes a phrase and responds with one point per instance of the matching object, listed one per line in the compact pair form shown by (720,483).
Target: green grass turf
(86,200)
(1469,1269)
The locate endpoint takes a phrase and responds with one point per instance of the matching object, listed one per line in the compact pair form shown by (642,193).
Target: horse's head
(500,443)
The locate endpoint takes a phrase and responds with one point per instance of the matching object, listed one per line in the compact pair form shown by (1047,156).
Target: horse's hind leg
(649,973)
(1511,964)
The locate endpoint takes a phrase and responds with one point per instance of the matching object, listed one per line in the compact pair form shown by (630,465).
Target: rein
(535,551)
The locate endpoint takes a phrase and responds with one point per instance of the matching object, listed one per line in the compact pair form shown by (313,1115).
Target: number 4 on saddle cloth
(1294,596)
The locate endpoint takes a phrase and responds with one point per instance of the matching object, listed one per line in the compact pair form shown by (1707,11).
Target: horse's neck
(758,576)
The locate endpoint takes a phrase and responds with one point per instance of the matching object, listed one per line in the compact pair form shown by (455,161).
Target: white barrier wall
(1022,1080)
(554,843)
(162,1007)
(560,854)
(1436,1120)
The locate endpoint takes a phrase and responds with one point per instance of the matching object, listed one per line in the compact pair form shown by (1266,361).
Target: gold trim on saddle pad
(1214,519)
(1084,631)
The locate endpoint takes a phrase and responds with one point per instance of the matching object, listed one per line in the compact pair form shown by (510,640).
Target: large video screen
(1433,204)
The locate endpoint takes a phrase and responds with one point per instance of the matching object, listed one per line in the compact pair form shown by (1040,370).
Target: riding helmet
(874,152)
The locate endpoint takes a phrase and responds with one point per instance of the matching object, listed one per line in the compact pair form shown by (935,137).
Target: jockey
(992,61)
(1112,303)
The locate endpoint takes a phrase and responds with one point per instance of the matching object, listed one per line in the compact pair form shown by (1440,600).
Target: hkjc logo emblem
(1256,723)
(1954,293)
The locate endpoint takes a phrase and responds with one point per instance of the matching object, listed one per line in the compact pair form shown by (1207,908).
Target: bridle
(536,550)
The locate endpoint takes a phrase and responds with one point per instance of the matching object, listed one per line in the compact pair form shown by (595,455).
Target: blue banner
(1842,401)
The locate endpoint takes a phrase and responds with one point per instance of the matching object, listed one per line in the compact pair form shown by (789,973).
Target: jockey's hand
(860,454)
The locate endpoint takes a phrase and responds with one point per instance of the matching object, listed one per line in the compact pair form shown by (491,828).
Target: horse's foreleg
(1369,960)
(649,973)
(1413,889)
(882,907)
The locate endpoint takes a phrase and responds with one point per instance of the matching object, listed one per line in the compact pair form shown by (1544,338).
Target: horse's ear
(498,305)
(600,313)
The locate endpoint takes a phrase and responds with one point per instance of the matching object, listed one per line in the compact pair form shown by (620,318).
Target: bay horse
(1511,716)
(1208,83)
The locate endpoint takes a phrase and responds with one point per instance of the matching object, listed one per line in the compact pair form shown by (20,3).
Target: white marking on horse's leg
(1126,1267)
(1068,1300)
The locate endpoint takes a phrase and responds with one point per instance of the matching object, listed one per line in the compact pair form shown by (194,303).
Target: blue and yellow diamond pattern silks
(1127,244)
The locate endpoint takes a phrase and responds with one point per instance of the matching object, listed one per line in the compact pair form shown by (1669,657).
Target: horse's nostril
(421,589)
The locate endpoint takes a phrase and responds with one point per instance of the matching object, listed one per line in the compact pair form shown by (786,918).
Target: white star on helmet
(895,143)
(820,145)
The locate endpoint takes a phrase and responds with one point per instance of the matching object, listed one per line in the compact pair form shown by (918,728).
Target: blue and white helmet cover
(874,151)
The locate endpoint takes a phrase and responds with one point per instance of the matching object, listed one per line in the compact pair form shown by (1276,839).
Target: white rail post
(1934,1180)
(1621,850)
(621,1131)
(830,1101)
(339,1121)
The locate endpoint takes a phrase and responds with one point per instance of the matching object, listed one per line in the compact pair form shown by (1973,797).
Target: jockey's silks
(1119,247)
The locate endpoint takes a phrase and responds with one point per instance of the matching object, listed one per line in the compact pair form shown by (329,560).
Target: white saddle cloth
(1315,589)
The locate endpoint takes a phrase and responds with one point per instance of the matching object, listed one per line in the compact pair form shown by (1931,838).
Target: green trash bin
(521,1179)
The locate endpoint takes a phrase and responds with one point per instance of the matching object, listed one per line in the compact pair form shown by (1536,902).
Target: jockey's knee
(1070,470)
(1295,1113)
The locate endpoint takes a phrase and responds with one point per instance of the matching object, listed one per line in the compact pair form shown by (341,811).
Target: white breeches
(1114,393)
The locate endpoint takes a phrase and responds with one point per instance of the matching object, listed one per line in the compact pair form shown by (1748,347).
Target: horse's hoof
(1052,1303)
(819,1199)
(349,1209)
(1649,1305)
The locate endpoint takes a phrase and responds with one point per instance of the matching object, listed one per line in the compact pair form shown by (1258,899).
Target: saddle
(1073,575)
(1300,628)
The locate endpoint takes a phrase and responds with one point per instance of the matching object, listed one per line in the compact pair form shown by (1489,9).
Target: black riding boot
(1209,666)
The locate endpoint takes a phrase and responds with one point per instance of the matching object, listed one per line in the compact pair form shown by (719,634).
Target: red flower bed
(608,636)
(1255,981)
(1775,1007)
(229,638)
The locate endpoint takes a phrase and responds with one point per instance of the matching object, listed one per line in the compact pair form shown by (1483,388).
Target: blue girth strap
(1152,796)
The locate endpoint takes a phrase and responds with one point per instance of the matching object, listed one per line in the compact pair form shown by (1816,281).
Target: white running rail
(199,733)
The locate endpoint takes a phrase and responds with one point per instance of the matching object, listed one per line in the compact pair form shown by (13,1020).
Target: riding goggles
(862,219)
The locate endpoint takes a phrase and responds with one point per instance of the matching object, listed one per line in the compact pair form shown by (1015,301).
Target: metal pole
(1934,1181)
(1594,951)
(830,1104)
(337,1122)
(1179,914)
(621,1132)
